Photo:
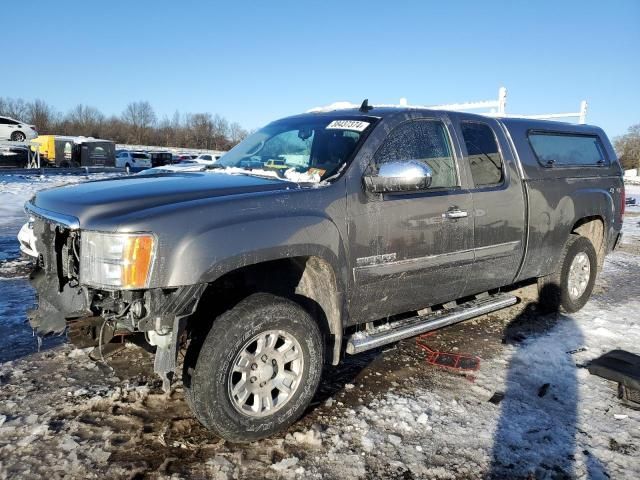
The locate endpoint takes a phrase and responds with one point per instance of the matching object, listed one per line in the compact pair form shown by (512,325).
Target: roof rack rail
(497,108)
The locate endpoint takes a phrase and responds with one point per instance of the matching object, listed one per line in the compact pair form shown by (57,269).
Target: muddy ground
(148,434)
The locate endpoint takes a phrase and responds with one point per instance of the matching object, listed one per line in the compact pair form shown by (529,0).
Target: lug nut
(274,361)
(253,379)
(254,366)
(264,358)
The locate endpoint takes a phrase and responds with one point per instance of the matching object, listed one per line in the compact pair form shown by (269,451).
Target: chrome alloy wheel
(579,274)
(266,373)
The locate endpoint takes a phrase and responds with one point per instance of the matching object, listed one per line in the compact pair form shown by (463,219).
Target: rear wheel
(257,370)
(18,137)
(570,287)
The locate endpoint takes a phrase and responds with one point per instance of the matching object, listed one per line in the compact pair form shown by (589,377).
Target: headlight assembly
(116,260)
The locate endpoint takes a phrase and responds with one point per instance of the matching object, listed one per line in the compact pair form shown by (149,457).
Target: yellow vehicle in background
(47,147)
(276,165)
(65,151)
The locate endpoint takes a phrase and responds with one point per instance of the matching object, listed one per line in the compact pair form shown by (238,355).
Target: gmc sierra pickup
(385,223)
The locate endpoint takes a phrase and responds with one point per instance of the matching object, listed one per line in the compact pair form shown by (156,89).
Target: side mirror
(401,176)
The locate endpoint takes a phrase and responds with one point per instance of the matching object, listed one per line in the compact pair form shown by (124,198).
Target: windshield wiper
(251,172)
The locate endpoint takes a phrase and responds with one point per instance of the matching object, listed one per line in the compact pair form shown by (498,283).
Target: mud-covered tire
(554,291)
(209,386)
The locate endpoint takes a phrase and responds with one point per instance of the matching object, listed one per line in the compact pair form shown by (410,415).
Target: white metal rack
(496,108)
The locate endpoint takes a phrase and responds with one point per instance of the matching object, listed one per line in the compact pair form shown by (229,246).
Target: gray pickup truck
(319,236)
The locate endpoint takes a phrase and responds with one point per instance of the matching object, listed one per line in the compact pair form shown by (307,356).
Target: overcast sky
(253,62)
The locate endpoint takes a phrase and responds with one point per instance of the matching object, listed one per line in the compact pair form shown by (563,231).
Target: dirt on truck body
(386,223)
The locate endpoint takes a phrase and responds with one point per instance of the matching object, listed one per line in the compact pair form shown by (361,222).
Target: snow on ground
(631,228)
(633,191)
(531,411)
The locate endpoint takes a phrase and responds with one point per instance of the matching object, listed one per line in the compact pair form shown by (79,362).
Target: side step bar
(410,327)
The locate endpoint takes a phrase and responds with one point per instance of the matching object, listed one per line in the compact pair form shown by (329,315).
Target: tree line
(628,148)
(138,124)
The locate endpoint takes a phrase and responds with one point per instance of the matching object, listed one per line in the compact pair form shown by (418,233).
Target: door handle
(454,213)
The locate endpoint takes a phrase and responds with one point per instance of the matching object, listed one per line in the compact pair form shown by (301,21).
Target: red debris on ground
(456,361)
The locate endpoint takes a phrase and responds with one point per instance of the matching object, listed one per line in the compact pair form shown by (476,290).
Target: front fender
(207,255)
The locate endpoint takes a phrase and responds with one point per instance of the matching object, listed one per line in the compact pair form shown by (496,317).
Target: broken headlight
(116,260)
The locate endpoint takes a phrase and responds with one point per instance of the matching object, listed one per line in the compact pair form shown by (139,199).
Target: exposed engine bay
(93,317)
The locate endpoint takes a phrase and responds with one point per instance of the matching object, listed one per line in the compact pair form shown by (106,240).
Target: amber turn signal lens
(138,253)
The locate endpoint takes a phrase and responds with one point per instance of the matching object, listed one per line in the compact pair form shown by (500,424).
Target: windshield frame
(364,135)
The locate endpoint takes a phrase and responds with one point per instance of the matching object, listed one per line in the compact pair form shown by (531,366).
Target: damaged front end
(93,314)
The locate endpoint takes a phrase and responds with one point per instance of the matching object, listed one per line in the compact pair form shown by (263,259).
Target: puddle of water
(9,248)
(17,340)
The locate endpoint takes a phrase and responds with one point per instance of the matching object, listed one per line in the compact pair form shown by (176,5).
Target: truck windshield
(315,147)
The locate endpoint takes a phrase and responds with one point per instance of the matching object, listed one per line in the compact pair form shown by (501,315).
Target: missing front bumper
(54,306)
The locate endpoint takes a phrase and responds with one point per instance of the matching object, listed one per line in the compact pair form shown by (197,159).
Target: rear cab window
(567,149)
(483,154)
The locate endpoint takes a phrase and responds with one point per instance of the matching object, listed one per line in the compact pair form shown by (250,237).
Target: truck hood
(113,198)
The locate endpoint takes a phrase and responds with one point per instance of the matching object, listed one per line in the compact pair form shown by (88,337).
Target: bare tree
(42,116)
(165,133)
(201,127)
(220,133)
(14,108)
(115,129)
(83,120)
(236,133)
(141,117)
(628,148)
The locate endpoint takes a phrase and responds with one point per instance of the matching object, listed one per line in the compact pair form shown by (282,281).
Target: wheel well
(593,229)
(309,281)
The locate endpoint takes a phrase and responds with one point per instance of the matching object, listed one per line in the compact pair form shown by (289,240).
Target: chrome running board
(410,327)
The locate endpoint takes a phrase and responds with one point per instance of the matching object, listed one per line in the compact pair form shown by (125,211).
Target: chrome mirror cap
(400,176)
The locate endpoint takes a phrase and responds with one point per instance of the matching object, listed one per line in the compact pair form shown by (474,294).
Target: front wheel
(257,370)
(570,287)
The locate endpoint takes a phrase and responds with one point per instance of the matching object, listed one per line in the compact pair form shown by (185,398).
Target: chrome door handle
(455,213)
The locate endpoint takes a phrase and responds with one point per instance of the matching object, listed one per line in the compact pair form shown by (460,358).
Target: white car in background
(15,130)
(133,161)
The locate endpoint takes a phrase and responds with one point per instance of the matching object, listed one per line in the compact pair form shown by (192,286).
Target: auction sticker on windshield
(356,125)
